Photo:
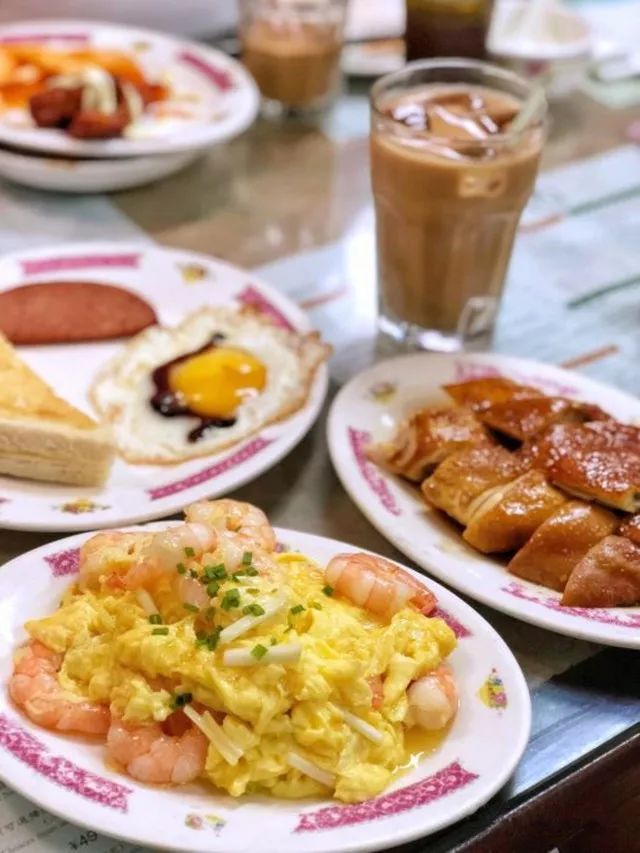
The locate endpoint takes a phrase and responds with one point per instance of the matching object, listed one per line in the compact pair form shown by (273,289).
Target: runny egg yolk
(214,383)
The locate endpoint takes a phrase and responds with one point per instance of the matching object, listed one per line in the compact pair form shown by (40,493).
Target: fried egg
(222,374)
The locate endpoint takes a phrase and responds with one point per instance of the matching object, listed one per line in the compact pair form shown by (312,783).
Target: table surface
(285,190)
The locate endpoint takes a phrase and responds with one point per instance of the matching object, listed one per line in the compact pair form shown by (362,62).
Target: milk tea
(449,185)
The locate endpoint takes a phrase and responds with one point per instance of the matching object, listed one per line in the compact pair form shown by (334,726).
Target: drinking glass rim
(455,62)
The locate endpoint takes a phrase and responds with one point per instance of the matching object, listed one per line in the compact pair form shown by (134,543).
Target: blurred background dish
(191,18)
(542,41)
(373,58)
(67,175)
(209,99)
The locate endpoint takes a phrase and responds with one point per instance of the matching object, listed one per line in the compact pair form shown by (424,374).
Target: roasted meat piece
(466,474)
(426,438)
(598,461)
(91,124)
(561,542)
(480,394)
(607,576)
(631,529)
(523,418)
(503,518)
(55,107)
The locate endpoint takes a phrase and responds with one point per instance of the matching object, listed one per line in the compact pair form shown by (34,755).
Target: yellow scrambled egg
(114,654)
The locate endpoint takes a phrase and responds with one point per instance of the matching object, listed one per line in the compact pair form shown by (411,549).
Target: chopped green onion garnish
(190,607)
(212,639)
(155,619)
(230,599)
(193,573)
(251,572)
(253,609)
(160,632)
(219,572)
(253,590)
(259,651)
(297,609)
(315,605)
(179,700)
(328,590)
(189,552)
(246,558)
(273,641)
(212,588)
(181,568)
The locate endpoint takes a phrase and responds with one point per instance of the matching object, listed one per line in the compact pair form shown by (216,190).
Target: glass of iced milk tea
(292,48)
(450,179)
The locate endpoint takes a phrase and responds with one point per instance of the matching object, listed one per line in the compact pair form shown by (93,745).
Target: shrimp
(150,755)
(248,524)
(376,584)
(433,700)
(105,553)
(166,550)
(35,688)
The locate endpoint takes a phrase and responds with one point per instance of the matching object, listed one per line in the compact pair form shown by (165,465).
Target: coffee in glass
(450,179)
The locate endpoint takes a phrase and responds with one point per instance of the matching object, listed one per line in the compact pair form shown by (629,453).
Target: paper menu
(24,826)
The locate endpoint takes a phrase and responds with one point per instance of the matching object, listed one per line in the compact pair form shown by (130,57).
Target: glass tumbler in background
(447,28)
(450,181)
(292,48)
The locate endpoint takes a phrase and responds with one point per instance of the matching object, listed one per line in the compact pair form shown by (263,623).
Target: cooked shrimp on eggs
(201,652)
(222,374)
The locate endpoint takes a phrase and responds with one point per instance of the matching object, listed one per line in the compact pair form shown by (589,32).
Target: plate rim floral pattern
(398,513)
(450,785)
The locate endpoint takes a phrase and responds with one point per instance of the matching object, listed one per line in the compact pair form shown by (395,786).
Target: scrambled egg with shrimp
(292,688)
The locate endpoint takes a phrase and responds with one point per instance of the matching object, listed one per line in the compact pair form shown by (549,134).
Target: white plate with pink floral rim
(211,97)
(369,408)
(68,776)
(174,284)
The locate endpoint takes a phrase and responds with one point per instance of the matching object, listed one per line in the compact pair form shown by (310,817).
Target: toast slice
(42,437)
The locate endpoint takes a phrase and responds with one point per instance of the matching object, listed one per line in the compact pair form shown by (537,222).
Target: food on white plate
(89,93)
(465,475)
(42,437)
(598,461)
(607,575)
(427,438)
(191,390)
(61,312)
(561,542)
(512,484)
(503,518)
(205,652)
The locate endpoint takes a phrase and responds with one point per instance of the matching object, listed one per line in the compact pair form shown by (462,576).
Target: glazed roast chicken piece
(426,438)
(560,542)
(607,576)
(466,474)
(523,418)
(599,460)
(503,518)
(631,529)
(480,394)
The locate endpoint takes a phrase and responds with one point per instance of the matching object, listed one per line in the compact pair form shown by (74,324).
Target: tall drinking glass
(292,48)
(450,180)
